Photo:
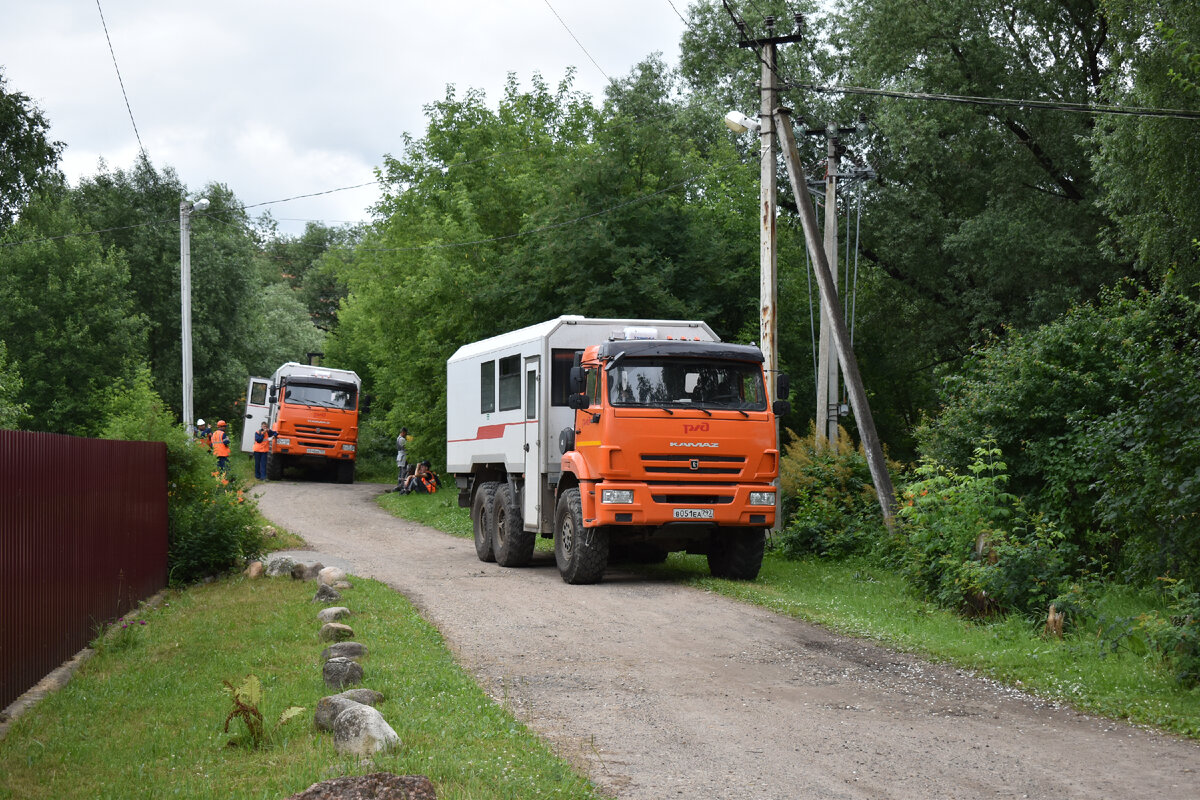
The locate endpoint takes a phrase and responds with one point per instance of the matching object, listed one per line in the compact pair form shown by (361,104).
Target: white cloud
(282,97)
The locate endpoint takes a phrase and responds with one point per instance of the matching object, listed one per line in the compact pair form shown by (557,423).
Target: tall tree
(28,157)
(70,322)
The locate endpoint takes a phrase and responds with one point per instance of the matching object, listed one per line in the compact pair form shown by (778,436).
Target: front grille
(708,464)
(318,431)
(703,499)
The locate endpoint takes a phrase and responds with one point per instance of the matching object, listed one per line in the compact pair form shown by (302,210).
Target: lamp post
(186,207)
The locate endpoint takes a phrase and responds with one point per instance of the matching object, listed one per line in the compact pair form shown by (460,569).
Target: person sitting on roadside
(423,481)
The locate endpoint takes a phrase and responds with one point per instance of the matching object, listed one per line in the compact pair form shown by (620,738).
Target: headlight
(762,498)
(349,447)
(282,440)
(616,496)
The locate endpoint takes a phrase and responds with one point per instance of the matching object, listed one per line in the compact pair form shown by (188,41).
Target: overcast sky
(277,98)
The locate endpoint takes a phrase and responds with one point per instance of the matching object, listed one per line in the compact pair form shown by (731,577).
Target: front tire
(274,466)
(736,553)
(345,472)
(511,543)
(581,553)
(483,510)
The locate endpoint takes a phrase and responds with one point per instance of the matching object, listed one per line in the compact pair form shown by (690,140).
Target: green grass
(144,719)
(860,598)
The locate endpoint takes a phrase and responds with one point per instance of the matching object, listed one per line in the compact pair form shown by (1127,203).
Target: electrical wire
(1049,105)
(576,38)
(120,80)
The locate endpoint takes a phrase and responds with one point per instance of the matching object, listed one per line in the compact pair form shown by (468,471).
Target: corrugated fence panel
(83,539)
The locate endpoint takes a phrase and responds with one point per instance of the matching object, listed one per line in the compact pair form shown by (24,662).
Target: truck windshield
(683,382)
(323,396)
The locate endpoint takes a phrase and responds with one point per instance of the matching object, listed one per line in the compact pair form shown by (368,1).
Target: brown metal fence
(83,538)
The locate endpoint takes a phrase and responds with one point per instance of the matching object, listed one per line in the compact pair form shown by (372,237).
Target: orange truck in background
(665,441)
(314,412)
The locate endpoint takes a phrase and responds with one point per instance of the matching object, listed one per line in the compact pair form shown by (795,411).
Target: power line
(121,81)
(1049,105)
(576,38)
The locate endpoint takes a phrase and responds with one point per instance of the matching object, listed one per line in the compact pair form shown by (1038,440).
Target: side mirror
(578,401)
(781,407)
(274,397)
(364,405)
(578,380)
(783,387)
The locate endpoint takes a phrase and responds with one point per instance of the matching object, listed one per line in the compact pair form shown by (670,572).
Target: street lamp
(186,207)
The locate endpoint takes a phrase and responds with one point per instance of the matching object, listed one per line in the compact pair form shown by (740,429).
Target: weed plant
(147,721)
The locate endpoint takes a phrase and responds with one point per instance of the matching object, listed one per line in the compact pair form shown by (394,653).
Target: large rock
(331,575)
(307,572)
(279,566)
(341,672)
(376,786)
(336,632)
(352,650)
(255,570)
(333,613)
(362,731)
(368,697)
(326,594)
(328,709)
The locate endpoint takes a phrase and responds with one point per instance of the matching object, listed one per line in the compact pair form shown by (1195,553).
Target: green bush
(211,526)
(1096,413)
(1177,636)
(971,546)
(829,502)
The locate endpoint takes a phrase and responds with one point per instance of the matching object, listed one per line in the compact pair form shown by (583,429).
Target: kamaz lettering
(695,444)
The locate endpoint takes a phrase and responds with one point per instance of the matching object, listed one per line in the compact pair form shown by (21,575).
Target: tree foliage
(28,157)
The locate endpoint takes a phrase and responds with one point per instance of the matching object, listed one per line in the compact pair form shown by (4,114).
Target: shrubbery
(211,526)
(829,501)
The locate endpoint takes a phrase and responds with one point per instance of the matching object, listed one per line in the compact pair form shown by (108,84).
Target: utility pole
(839,333)
(828,391)
(186,207)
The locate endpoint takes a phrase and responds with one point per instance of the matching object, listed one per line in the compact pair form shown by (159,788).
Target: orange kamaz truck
(314,414)
(619,439)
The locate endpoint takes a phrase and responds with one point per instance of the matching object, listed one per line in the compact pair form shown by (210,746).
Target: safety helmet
(221,424)
(199,423)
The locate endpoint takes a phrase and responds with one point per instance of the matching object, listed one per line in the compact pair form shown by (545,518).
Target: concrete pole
(840,334)
(185,309)
(768,204)
(827,365)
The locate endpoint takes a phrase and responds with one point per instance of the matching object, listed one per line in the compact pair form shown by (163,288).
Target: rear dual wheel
(511,543)
(483,510)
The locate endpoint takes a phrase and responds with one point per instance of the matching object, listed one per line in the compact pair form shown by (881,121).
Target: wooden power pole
(840,334)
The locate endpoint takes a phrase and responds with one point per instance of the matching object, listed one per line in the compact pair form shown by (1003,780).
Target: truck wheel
(274,466)
(483,510)
(345,472)
(581,553)
(736,553)
(511,543)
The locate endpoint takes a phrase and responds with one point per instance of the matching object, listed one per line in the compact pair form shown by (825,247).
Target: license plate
(315,450)
(693,513)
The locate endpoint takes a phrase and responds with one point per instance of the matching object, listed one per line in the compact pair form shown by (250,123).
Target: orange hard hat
(221,424)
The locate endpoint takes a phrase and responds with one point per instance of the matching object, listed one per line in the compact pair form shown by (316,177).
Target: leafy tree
(240,322)
(11,410)
(28,158)
(1147,164)
(70,322)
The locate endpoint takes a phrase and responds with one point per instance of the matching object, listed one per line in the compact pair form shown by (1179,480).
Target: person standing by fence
(262,444)
(220,445)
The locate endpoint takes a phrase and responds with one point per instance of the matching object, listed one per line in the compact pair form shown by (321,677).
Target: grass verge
(144,719)
(859,598)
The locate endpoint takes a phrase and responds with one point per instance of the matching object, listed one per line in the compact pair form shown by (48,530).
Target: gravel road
(661,691)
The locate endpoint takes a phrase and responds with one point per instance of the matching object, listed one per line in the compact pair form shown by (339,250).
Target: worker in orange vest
(262,444)
(220,445)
